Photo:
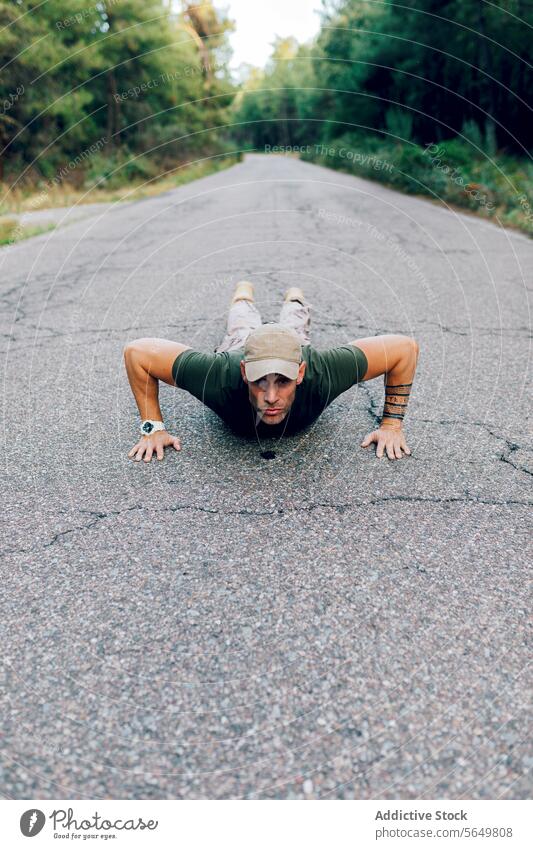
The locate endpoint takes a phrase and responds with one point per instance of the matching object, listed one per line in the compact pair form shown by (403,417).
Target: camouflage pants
(243,317)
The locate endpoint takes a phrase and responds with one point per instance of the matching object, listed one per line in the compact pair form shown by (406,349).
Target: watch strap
(149,426)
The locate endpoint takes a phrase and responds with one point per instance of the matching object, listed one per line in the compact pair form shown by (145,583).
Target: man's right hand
(155,442)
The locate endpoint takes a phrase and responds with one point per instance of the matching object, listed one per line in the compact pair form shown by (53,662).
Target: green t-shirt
(216,380)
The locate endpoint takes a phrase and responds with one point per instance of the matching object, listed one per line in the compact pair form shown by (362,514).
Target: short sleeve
(342,368)
(201,375)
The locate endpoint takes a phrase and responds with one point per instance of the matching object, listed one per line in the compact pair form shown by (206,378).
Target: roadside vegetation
(431,98)
(31,198)
(11,231)
(103,99)
(40,195)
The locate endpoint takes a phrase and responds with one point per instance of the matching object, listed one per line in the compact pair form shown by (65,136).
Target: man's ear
(243,373)
(301,372)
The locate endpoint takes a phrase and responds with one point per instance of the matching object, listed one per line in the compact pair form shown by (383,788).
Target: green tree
(445,62)
(131,72)
(276,106)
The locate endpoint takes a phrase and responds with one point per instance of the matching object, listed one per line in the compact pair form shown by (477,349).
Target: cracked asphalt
(323,625)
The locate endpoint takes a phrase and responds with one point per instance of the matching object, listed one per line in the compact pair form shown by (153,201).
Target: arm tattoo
(396,400)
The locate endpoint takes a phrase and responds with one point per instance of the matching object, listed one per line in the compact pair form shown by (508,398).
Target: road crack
(278,510)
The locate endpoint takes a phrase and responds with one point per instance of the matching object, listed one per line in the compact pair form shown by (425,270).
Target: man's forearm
(395,357)
(398,383)
(144,386)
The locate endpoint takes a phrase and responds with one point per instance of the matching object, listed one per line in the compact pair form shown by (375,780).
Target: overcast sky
(259,21)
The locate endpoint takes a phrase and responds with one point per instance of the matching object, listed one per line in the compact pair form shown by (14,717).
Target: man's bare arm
(396,358)
(149,360)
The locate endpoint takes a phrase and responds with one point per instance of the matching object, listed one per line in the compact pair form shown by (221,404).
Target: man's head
(272,367)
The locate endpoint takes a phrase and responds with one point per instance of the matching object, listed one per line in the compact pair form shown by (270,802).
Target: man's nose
(271,393)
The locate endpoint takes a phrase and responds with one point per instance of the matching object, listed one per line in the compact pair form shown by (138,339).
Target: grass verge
(104,188)
(11,231)
(495,186)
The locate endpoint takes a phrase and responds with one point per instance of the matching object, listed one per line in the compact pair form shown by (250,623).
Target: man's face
(272,396)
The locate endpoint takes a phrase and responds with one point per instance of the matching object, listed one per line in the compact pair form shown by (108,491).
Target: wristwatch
(149,427)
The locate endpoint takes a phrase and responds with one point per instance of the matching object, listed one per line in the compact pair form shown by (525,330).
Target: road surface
(323,625)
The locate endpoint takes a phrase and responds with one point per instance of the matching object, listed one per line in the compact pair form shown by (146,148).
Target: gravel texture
(322,625)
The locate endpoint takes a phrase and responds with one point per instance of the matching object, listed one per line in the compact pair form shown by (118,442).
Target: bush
(452,171)
(115,170)
(399,123)
(472,133)
(8,230)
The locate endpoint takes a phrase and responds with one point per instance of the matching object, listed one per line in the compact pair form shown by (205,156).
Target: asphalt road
(321,625)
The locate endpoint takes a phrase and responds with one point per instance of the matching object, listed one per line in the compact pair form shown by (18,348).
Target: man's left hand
(391,440)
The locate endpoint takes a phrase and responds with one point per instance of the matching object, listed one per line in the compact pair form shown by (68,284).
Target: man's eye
(263,383)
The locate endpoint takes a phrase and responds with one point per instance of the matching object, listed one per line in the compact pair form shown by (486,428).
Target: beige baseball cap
(272,348)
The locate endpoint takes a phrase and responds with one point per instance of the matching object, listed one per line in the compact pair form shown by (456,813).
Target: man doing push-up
(267,380)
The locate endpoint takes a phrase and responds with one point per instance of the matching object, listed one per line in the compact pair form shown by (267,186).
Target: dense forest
(435,95)
(422,70)
(120,86)
(99,92)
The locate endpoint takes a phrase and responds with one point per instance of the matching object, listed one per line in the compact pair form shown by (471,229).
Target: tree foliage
(423,68)
(130,75)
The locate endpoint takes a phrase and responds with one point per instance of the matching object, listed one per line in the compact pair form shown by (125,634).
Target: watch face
(148,427)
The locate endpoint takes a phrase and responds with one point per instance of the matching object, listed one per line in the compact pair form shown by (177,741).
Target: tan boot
(295,294)
(244,291)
